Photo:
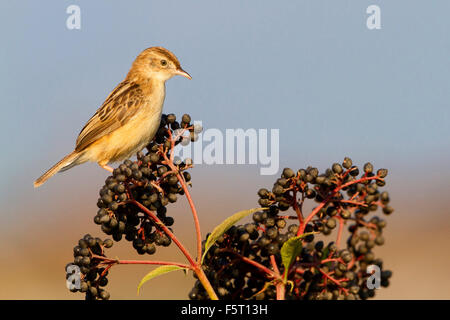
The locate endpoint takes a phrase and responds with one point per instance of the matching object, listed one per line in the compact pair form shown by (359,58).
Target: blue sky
(309,68)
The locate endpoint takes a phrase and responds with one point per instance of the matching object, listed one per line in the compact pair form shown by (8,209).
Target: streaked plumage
(128,118)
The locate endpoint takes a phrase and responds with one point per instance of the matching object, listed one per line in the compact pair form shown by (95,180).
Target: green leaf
(325,252)
(225,225)
(290,250)
(291,285)
(157,272)
(266,285)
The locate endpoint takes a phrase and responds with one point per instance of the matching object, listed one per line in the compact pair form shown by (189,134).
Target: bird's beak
(183,73)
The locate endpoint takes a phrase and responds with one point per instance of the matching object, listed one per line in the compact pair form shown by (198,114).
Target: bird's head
(157,63)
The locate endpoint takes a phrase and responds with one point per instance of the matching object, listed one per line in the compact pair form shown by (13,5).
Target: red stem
(357,203)
(280,290)
(280,287)
(195,216)
(166,230)
(164,263)
(302,227)
(274,264)
(194,266)
(333,280)
(332,260)
(254,263)
(186,192)
(341,226)
(191,204)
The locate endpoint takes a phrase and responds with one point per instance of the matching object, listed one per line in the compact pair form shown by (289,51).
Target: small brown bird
(129,117)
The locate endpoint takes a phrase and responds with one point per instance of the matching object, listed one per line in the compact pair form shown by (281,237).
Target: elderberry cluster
(133,191)
(338,269)
(149,181)
(87,273)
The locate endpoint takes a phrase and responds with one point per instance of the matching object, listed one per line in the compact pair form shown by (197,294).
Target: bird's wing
(119,107)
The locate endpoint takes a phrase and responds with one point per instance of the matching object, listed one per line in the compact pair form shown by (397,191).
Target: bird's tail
(66,163)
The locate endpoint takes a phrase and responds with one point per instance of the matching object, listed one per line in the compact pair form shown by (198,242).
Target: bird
(129,117)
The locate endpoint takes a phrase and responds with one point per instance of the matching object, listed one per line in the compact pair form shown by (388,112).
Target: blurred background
(312,69)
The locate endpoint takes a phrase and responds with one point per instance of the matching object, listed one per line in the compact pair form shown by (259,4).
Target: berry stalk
(194,265)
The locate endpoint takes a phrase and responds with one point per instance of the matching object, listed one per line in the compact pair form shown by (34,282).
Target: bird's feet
(107,168)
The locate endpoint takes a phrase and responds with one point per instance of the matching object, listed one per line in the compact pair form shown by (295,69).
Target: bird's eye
(163,63)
